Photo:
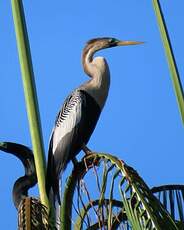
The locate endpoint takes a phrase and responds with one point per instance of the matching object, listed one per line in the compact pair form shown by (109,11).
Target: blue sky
(140,123)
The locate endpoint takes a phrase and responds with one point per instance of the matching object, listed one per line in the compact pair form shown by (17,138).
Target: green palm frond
(170,57)
(30,95)
(105,193)
(172,198)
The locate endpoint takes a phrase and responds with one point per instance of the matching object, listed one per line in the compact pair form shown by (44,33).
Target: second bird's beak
(127,43)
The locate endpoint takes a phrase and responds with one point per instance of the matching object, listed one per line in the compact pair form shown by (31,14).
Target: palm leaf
(30,95)
(172,198)
(170,57)
(117,199)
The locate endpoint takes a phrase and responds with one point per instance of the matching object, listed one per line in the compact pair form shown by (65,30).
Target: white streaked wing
(68,118)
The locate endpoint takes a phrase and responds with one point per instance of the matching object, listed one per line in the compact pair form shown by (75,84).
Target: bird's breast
(97,90)
(98,86)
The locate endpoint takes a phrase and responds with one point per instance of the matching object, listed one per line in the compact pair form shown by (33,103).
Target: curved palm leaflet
(172,198)
(105,193)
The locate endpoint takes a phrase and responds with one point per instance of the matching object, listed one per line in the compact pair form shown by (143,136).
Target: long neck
(87,58)
(21,187)
(98,70)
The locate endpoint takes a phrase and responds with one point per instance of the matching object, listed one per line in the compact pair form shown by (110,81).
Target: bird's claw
(86,150)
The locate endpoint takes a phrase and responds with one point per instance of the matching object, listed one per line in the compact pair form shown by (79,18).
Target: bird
(24,183)
(80,112)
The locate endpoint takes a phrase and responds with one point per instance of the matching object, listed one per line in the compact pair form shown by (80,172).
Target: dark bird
(80,112)
(24,183)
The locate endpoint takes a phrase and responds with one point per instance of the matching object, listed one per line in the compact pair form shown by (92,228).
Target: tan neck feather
(98,86)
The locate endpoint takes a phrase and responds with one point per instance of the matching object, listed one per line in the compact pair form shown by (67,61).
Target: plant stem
(170,57)
(30,95)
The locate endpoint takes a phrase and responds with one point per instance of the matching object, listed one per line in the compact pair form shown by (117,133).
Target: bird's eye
(112,40)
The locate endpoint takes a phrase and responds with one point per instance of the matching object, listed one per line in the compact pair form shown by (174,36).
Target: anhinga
(80,112)
(24,183)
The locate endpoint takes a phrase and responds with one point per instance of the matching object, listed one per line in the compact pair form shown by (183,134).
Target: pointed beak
(127,43)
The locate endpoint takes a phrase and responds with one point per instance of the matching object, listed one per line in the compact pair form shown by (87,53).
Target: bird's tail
(52,179)
(56,206)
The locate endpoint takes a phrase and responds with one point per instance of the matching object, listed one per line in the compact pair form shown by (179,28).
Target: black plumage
(24,183)
(76,120)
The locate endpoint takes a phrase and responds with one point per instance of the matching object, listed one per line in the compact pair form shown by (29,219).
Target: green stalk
(30,95)
(170,57)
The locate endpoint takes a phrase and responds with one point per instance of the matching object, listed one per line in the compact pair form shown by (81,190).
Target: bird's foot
(86,150)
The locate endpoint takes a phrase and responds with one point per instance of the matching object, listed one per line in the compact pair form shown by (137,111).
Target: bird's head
(108,42)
